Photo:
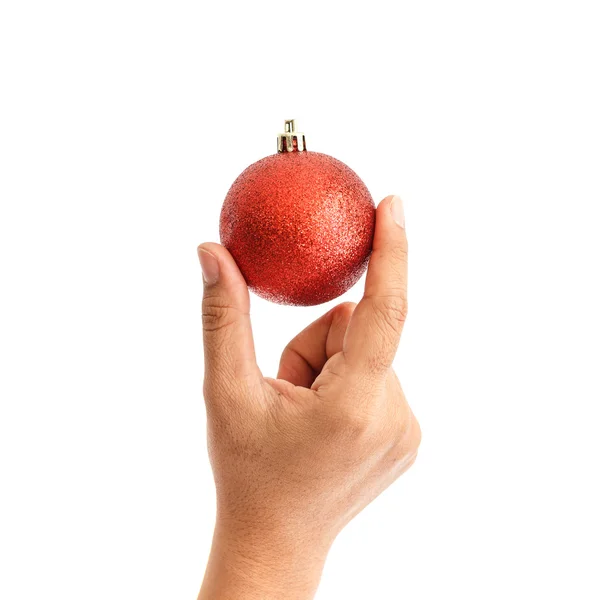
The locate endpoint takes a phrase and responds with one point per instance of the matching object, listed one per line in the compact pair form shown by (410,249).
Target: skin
(297,457)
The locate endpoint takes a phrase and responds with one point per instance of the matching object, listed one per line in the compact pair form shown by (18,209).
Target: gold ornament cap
(291,140)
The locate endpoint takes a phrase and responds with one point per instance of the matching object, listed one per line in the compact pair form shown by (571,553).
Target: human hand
(297,457)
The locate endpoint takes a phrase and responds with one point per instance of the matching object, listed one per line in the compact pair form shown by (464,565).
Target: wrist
(262,562)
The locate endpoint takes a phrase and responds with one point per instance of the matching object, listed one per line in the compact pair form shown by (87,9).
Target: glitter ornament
(299,224)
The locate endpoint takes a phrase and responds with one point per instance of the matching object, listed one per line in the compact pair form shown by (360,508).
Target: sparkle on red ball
(300,227)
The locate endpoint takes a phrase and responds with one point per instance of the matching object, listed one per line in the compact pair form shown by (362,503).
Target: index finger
(374,331)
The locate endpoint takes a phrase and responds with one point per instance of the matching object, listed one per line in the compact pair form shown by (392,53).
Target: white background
(122,125)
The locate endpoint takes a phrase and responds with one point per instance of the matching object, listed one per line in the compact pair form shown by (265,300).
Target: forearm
(261,567)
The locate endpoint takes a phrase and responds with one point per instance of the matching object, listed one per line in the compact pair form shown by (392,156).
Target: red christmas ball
(299,224)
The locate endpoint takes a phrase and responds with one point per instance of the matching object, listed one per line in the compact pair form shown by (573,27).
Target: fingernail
(397,210)
(210,266)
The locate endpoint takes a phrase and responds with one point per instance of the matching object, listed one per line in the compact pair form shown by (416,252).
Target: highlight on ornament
(299,224)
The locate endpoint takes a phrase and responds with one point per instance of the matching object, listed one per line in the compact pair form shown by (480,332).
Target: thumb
(228,345)
(374,331)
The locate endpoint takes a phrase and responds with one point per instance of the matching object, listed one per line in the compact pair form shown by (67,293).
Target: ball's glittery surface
(300,227)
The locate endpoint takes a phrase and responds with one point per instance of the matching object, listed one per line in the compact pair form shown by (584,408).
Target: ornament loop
(291,140)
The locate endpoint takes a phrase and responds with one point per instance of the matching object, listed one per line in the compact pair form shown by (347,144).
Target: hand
(297,457)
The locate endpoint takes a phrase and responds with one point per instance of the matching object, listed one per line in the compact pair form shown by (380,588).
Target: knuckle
(417,435)
(408,435)
(349,423)
(344,310)
(357,423)
(399,254)
(217,314)
(289,352)
(401,432)
(390,312)
(396,255)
